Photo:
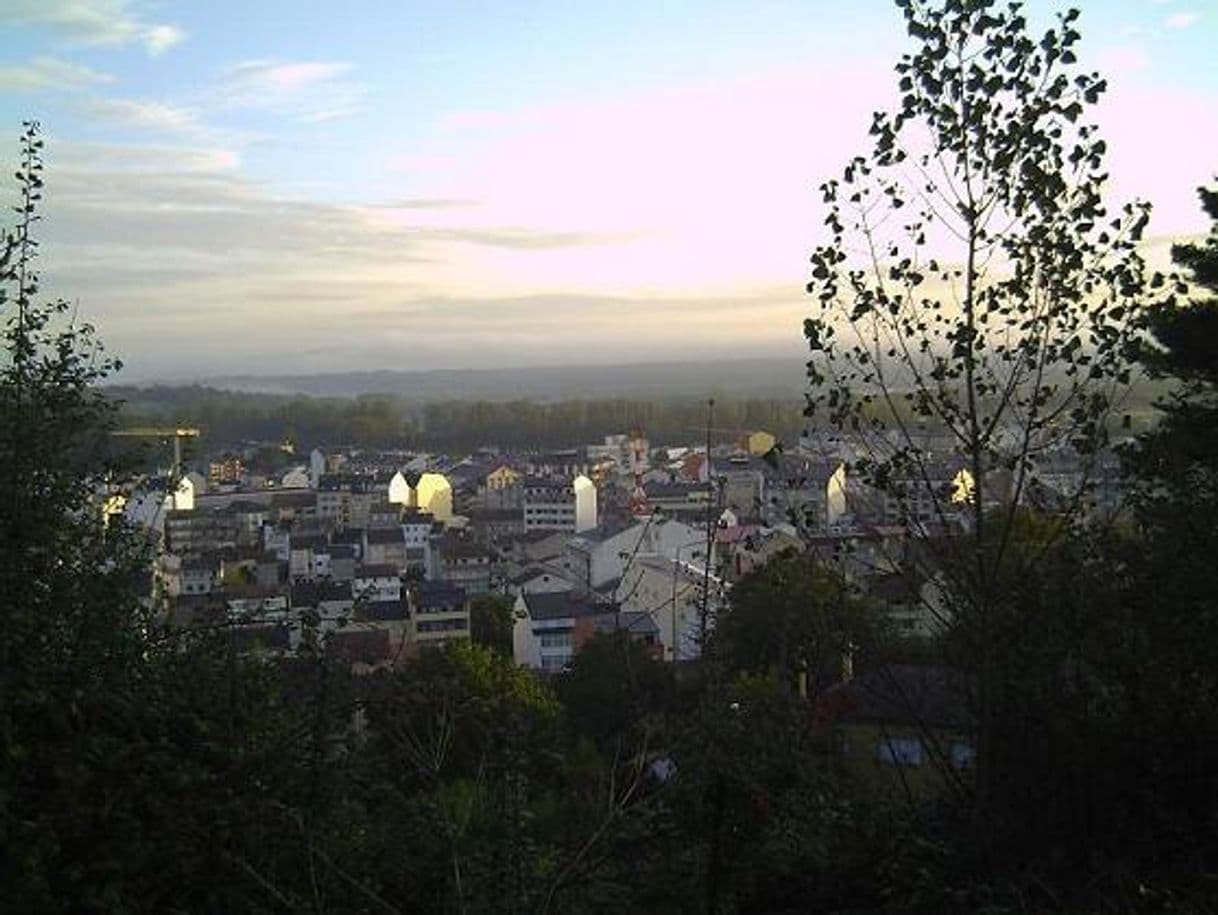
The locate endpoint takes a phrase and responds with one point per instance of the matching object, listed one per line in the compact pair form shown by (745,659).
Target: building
(439,613)
(549,627)
(560,506)
(465,563)
(670,592)
(598,557)
(757,443)
(900,727)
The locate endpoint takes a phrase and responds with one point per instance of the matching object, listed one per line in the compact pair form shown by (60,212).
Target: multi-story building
(439,612)
(550,627)
(555,505)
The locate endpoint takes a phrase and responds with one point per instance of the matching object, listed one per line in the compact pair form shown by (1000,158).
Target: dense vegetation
(144,769)
(389,421)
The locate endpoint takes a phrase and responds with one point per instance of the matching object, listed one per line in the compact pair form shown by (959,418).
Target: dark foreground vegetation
(145,769)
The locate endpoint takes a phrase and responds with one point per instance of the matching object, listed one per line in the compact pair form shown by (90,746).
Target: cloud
(427,203)
(160,38)
(50,73)
(144,115)
(94,22)
(312,91)
(1182,20)
(325,116)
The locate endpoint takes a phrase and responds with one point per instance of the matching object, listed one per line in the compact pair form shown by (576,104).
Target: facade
(439,613)
(549,628)
(757,443)
(670,592)
(551,505)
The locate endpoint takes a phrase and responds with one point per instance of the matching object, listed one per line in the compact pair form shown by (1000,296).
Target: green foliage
(490,622)
(385,420)
(614,684)
(995,295)
(793,616)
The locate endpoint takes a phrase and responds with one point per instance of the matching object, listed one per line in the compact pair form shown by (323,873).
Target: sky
(287,186)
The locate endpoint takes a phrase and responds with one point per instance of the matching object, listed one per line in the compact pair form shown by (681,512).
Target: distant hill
(779,377)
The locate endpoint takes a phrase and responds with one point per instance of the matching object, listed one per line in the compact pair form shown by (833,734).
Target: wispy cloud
(95,22)
(1182,20)
(312,91)
(427,203)
(50,73)
(144,115)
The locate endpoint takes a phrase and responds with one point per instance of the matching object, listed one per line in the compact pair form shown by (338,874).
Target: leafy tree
(490,623)
(793,617)
(1179,454)
(975,276)
(614,683)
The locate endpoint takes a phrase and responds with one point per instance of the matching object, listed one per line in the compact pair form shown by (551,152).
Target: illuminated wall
(435,495)
(585,503)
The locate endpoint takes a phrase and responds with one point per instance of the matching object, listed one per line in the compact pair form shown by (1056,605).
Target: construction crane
(177,433)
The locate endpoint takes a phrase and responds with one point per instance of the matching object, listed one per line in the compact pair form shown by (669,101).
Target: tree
(793,618)
(1179,454)
(490,623)
(613,685)
(976,289)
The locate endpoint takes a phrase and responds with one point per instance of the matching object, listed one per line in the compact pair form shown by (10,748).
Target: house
(639,627)
(428,492)
(493,525)
(307,551)
(743,549)
(670,591)
(439,613)
(679,499)
(915,604)
(596,557)
(537,580)
(757,443)
(548,628)
(199,530)
(742,485)
(385,546)
(900,728)
(377,583)
(342,562)
(465,563)
(553,505)
(332,600)
(504,476)
(195,576)
(419,529)
(295,478)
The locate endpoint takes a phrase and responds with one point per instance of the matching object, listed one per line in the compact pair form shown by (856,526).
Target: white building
(551,505)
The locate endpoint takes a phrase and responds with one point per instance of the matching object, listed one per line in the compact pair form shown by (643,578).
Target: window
(963,755)
(899,751)
(555,640)
(442,626)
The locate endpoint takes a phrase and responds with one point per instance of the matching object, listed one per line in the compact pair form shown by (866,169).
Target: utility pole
(710,530)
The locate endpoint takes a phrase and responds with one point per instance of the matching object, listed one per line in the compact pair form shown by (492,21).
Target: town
(380,553)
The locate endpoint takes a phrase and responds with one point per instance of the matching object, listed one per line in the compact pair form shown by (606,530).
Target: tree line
(392,421)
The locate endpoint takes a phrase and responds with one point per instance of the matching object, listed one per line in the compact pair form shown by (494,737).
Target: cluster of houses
(372,557)
(376,555)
